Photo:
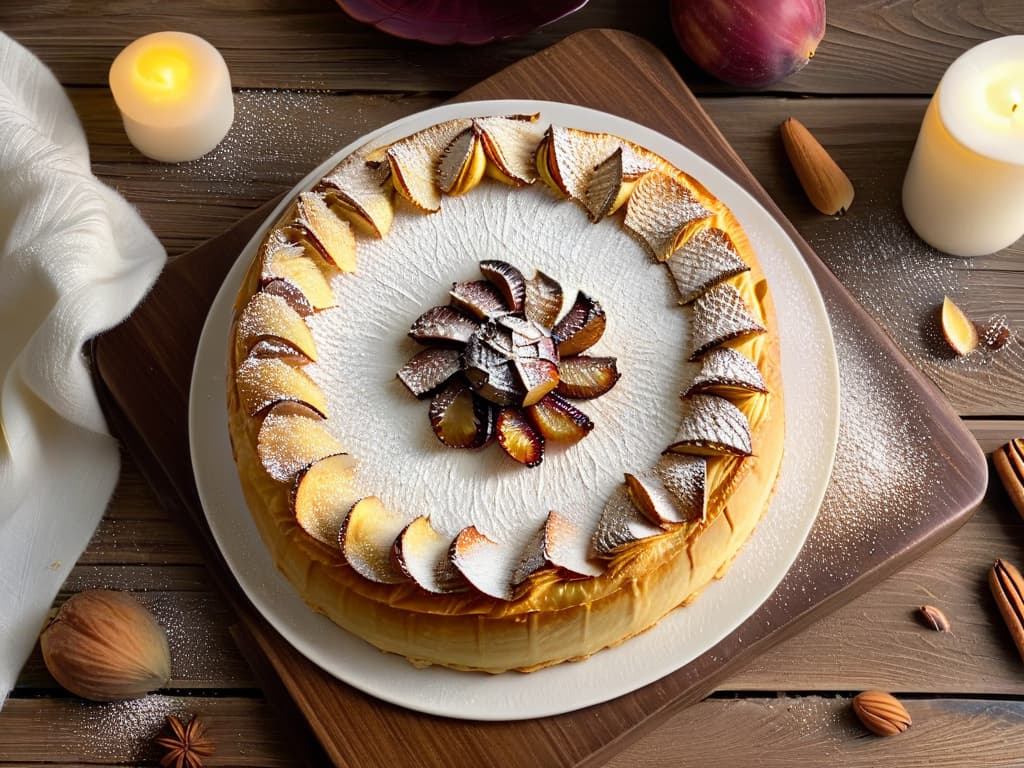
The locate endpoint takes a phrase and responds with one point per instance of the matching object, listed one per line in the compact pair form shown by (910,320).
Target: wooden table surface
(309,80)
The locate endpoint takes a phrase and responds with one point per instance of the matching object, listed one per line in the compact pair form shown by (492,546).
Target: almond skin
(881,713)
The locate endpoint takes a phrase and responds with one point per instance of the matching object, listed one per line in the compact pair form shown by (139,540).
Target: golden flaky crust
(552,618)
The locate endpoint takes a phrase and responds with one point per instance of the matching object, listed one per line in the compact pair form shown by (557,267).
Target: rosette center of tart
(502,362)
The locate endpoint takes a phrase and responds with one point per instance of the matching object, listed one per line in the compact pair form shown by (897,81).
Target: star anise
(187,747)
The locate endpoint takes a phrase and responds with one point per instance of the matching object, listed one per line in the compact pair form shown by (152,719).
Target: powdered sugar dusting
(363,343)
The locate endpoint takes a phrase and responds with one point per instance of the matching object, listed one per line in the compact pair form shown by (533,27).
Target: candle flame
(163,71)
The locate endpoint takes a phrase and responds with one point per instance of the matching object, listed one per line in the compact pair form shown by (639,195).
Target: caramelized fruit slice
(518,437)
(543,302)
(620,524)
(566,548)
(429,369)
(459,419)
(959,330)
(422,554)
(366,537)
(724,371)
(662,212)
(332,234)
(290,293)
(586,377)
(443,325)
(322,496)
(707,258)
(711,426)
(483,562)
(288,442)
(462,165)
(267,316)
(720,315)
(359,192)
(581,328)
(414,162)
(511,143)
(289,262)
(508,280)
(489,370)
(559,420)
(478,298)
(264,381)
(538,378)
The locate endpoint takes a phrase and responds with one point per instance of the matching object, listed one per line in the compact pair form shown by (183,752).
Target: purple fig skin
(750,43)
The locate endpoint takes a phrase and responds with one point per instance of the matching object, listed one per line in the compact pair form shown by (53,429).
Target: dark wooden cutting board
(145,367)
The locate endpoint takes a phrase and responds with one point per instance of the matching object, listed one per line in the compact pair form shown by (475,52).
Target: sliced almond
(959,330)
(367,535)
(602,189)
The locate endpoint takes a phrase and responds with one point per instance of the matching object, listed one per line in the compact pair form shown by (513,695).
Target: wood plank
(782,732)
(70,730)
(869,47)
(811,732)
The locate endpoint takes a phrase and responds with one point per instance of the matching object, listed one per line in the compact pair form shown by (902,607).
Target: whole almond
(827,187)
(934,618)
(103,645)
(881,713)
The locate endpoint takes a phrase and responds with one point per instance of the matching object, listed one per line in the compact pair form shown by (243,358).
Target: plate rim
(470,707)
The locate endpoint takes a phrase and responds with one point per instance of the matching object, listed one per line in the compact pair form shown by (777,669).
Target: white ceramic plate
(811,390)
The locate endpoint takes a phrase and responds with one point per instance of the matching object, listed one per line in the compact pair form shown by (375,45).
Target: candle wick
(1014,107)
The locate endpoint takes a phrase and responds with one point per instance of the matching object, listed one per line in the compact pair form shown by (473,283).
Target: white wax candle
(964,189)
(174,93)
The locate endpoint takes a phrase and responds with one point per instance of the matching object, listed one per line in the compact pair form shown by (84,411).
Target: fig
(749,42)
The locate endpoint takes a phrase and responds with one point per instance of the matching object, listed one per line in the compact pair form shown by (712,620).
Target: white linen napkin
(75,259)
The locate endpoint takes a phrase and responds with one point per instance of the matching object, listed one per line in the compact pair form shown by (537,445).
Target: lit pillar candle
(174,93)
(964,189)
